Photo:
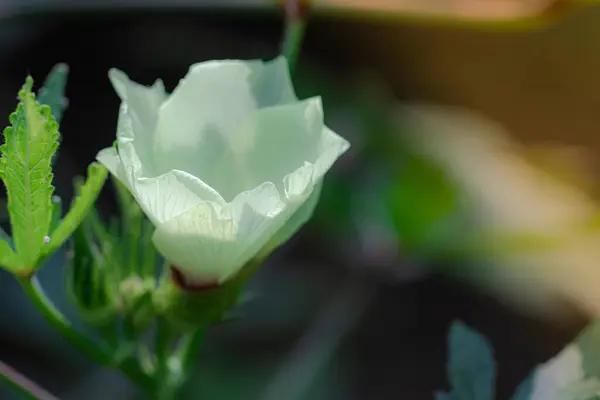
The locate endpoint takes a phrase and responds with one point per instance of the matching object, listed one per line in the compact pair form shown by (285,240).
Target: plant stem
(189,348)
(24,385)
(97,352)
(163,341)
(35,293)
(295,26)
(164,376)
(175,368)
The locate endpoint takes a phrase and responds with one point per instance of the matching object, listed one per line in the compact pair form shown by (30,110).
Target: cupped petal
(272,84)
(210,243)
(206,109)
(272,143)
(161,197)
(207,105)
(134,156)
(331,147)
(169,195)
(144,99)
(303,187)
(277,141)
(300,217)
(138,115)
(109,157)
(140,105)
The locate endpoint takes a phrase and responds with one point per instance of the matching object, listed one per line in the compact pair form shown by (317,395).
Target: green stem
(35,293)
(23,385)
(163,375)
(184,363)
(163,341)
(189,349)
(174,369)
(292,41)
(295,26)
(98,353)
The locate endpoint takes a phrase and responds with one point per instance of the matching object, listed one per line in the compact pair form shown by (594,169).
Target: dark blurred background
(337,317)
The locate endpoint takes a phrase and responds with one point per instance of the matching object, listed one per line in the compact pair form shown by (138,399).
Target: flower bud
(90,286)
(135,295)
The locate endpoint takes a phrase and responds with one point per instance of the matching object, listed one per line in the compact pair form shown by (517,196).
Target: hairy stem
(95,351)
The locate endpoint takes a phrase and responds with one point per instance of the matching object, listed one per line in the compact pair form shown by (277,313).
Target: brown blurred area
(542,84)
(476,9)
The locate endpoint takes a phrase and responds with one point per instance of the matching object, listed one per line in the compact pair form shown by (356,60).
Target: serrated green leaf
(25,169)
(52,93)
(471,367)
(79,209)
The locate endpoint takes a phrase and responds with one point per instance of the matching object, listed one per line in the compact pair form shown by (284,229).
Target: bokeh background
(342,311)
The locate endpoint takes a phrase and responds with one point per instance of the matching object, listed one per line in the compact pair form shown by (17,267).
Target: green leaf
(25,169)
(79,209)
(52,93)
(8,258)
(56,214)
(471,368)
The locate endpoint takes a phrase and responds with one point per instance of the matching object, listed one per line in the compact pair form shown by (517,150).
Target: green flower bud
(90,285)
(135,302)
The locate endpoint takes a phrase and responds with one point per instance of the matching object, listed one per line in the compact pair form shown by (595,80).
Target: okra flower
(227,167)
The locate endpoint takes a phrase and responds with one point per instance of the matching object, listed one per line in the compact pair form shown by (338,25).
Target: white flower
(227,166)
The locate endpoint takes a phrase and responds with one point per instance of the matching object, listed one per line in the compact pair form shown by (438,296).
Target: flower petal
(135,158)
(296,221)
(161,197)
(303,188)
(277,141)
(210,243)
(109,157)
(138,115)
(145,100)
(273,85)
(331,147)
(272,143)
(208,104)
(166,196)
